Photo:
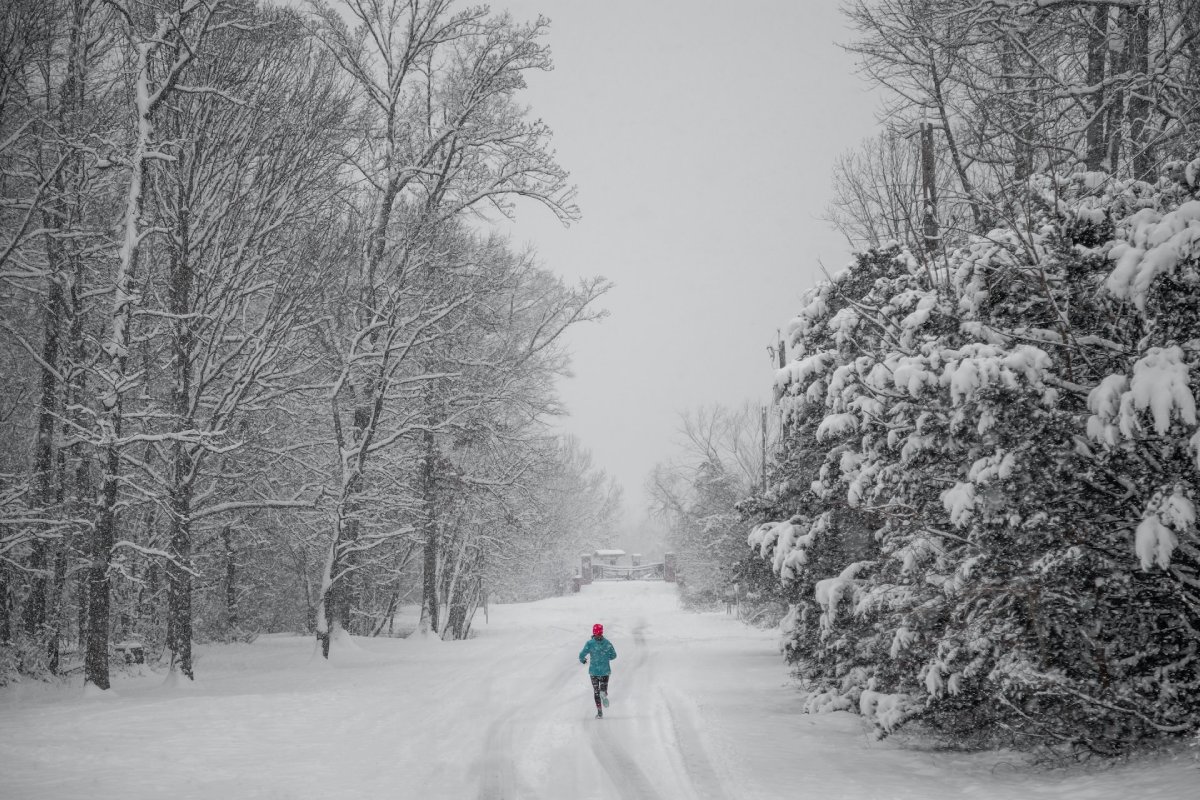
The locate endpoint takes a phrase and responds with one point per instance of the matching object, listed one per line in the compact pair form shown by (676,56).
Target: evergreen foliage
(984,500)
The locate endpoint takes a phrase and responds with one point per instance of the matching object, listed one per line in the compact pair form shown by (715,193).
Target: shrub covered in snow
(985,500)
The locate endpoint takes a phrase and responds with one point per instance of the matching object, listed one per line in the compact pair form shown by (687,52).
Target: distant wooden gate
(590,571)
(642,572)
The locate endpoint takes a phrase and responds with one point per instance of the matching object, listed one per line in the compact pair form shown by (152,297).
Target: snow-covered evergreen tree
(984,502)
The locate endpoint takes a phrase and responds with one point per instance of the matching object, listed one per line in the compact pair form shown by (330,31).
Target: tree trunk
(429,564)
(1019,120)
(389,614)
(324,622)
(463,599)
(33,615)
(1141,132)
(81,609)
(83,488)
(459,615)
(451,576)
(98,601)
(1021,113)
(77,479)
(57,219)
(1190,18)
(179,568)
(930,227)
(1116,111)
(1097,53)
(116,352)
(44,472)
(55,622)
(340,607)
(179,576)
(5,613)
(231,605)
(333,611)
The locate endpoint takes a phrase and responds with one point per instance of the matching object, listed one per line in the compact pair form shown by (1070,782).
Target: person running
(602,652)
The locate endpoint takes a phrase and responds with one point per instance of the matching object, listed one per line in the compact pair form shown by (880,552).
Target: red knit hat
(597,629)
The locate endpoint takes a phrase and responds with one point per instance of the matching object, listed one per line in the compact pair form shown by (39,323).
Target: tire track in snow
(675,727)
(499,777)
(693,755)
(499,780)
(630,779)
(636,669)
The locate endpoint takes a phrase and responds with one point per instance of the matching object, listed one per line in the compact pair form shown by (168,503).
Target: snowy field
(702,708)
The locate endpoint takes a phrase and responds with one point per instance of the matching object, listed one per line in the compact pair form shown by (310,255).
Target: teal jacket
(602,651)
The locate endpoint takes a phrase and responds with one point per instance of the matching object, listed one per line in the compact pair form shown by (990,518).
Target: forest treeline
(265,364)
(979,513)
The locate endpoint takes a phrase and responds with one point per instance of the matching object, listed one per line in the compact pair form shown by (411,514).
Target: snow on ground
(702,707)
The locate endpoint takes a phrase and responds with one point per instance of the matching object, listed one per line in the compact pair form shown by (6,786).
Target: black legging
(599,684)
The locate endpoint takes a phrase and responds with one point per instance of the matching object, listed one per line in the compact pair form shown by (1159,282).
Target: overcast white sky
(701,135)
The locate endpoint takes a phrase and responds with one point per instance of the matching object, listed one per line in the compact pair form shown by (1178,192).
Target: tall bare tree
(162,41)
(448,137)
(254,164)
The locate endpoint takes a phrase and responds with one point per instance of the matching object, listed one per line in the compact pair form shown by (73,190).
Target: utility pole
(780,355)
(764,450)
(777,353)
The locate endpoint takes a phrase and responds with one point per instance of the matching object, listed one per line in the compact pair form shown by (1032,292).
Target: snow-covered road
(702,708)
